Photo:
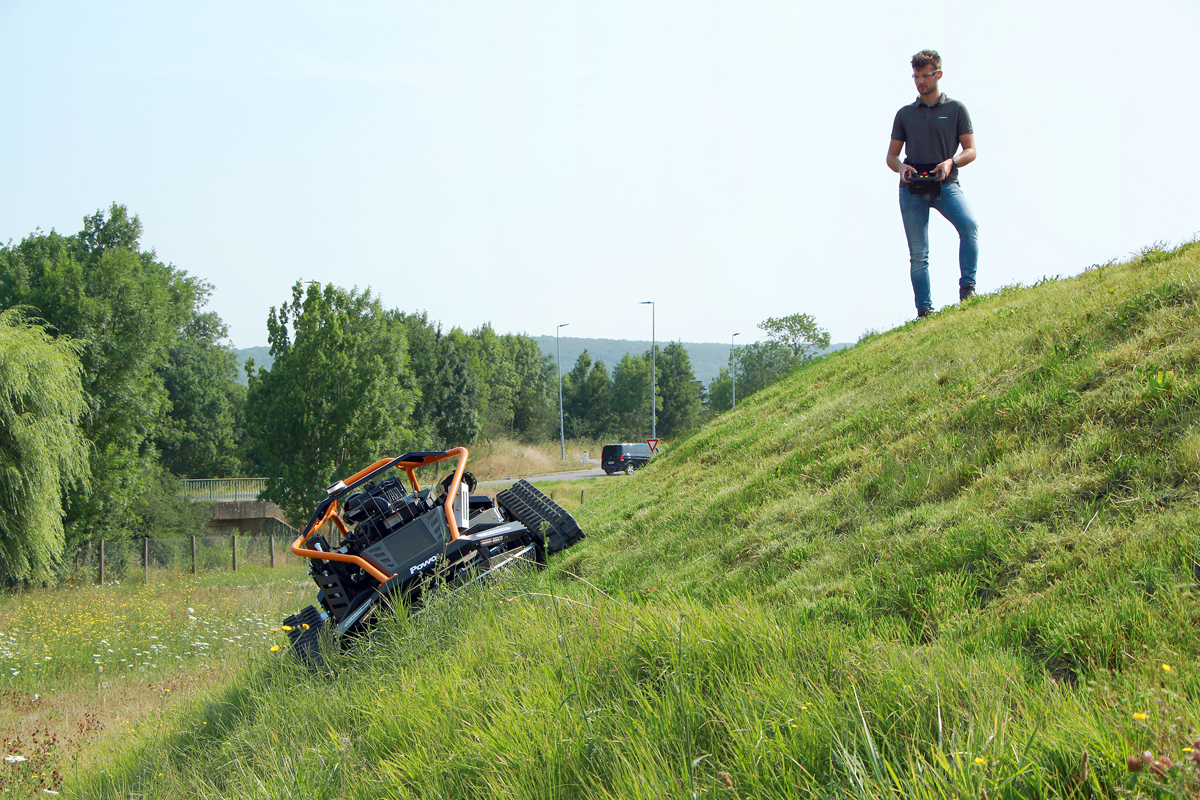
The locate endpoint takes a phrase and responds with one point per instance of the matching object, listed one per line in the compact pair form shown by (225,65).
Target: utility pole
(653,379)
(733,366)
(562,439)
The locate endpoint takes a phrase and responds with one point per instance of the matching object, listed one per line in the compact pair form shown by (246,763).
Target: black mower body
(398,542)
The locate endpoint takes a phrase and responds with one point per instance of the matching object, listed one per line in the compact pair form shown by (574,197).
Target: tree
(495,375)
(123,309)
(202,434)
(514,381)
(456,394)
(450,376)
(43,453)
(424,352)
(337,398)
(791,341)
(535,400)
(631,397)
(678,390)
(587,398)
(760,364)
(720,392)
(798,333)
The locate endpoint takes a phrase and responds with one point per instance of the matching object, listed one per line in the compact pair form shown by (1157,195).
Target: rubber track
(548,520)
(305,635)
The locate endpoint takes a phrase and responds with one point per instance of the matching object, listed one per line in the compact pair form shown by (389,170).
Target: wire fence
(128,559)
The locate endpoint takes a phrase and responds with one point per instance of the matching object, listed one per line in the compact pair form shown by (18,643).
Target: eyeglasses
(917,77)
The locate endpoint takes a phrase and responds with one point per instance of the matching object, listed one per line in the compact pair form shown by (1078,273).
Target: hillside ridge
(990,434)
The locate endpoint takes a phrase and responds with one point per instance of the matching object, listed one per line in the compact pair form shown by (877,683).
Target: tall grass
(85,669)
(958,560)
(499,459)
(520,692)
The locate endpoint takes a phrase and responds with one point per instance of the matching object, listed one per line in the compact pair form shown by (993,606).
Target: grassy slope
(967,475)
(961,556)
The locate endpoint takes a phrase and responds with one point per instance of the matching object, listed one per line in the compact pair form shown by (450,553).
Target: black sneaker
(965,293)
(924,312)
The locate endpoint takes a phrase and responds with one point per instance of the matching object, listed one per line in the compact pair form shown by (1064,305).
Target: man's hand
(895,164)
(942,171)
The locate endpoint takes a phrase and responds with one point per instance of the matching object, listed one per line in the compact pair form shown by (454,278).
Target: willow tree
(124,310)
(42,450)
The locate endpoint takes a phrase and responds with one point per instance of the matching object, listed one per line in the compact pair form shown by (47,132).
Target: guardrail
(223,490)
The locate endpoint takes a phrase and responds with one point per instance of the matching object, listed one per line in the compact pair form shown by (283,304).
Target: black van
(624,457)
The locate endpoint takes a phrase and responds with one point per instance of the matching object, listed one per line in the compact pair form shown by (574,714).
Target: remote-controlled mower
(394,543)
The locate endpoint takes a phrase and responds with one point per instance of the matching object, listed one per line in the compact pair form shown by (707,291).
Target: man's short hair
(925,58)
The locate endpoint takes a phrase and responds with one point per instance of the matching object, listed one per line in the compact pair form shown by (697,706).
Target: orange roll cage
(345,485)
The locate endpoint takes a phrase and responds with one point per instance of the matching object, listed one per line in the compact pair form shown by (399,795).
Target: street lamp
(562,439)
(733,366)
(653,381)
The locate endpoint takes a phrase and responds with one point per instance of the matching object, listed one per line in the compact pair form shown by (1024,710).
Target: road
(593,471)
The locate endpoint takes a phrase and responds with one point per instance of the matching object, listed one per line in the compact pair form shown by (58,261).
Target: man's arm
(967,140)
(895,164)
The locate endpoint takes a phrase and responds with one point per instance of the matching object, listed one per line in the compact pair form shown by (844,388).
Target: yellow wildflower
(274,648)
(1139,715)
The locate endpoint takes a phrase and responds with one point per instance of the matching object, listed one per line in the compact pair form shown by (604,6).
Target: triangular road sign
(653,444)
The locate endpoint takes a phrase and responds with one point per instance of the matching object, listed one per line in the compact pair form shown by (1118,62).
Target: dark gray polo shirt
(930,133)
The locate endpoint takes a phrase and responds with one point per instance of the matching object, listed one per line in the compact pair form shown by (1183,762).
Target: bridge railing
(223,490)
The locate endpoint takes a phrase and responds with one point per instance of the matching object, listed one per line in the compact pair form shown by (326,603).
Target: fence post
(234,537)
(101,562)
(145,559)
(272,540)
(581,497)
(193,554)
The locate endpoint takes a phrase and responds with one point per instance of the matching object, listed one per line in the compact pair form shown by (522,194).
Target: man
(930,130)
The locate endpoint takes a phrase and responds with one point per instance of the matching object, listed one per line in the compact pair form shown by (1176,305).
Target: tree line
(115,382)
(599,405)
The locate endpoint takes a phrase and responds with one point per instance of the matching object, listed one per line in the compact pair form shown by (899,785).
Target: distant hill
(708,358)
(261,356)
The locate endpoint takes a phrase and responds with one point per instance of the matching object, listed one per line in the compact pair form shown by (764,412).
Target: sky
(529,164)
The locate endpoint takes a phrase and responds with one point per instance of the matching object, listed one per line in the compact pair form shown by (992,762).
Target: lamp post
(653,380)
(733,366)
(562,439)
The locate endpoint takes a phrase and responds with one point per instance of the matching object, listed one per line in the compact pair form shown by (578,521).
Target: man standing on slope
(930,131)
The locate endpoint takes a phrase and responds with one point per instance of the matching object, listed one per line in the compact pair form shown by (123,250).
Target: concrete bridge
(234,506)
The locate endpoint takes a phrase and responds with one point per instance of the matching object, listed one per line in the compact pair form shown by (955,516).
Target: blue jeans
(952,204)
